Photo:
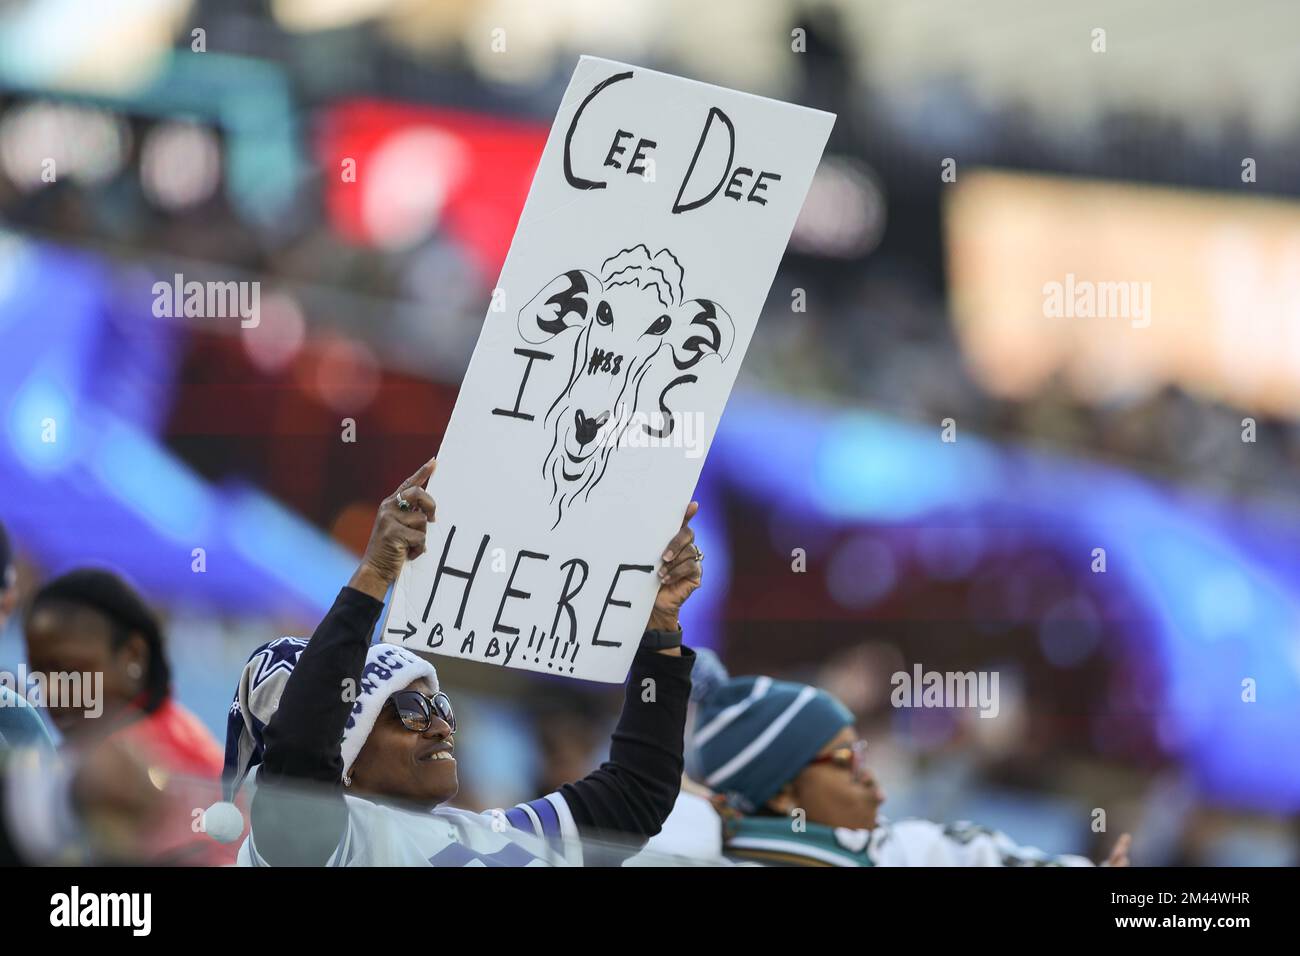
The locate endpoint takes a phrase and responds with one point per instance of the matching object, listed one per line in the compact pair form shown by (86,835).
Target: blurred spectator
(569,730)
(19,724)
(97,807)
(91,623)
(794,788)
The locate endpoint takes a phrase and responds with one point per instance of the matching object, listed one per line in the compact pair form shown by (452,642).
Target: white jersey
(923,843)
(541,832)
(695,831)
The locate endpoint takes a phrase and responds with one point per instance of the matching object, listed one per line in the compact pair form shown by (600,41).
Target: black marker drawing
(624,323)
(404,634)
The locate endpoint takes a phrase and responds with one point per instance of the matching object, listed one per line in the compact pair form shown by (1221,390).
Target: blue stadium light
(41,426)
(153,484)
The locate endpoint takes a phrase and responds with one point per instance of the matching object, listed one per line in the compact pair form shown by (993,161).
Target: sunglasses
(853,758)
(417,710)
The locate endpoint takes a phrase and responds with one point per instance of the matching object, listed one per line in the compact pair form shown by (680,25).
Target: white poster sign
(651,235)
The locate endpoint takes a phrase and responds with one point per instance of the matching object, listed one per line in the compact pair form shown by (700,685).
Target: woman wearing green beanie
(791,786)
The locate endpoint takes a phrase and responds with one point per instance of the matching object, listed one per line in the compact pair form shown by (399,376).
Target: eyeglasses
(853,758)
(417,710)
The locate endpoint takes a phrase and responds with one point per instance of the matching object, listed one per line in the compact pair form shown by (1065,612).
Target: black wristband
(661,640)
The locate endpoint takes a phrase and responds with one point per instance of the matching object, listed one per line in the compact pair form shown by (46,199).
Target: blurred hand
(118,804)
(698,789)
(397,536)
(679,575)
(1119,855)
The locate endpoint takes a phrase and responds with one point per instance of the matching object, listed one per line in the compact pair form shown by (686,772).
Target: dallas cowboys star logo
(279,655)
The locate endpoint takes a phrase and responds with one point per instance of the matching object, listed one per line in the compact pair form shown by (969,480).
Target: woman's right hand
(397,536)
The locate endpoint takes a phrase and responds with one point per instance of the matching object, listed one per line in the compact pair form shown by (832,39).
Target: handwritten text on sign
(655,224)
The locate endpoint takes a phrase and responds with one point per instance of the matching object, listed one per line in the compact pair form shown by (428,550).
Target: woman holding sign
(370,730)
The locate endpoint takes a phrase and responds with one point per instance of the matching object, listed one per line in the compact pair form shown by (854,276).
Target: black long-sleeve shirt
(628,797)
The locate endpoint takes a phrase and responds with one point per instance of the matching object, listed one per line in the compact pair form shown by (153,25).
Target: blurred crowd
(378,316)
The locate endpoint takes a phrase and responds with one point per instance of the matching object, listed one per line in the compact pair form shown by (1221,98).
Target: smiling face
(404,765)
(831,794)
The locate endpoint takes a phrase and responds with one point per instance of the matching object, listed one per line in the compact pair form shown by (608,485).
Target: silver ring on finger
(402,503)
(699,555)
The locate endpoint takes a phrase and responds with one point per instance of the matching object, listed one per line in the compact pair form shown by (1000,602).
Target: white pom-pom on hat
(223,822)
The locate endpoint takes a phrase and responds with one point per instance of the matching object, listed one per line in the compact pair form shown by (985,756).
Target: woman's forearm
(303,738)
(292,825)
(634,791)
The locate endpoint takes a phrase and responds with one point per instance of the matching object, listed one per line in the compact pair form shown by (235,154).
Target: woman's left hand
(679,575)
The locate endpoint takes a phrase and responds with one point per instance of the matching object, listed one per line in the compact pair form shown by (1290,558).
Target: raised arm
(632,793)
(298,812)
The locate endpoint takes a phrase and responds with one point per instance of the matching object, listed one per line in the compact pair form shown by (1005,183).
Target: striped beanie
(753,735)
